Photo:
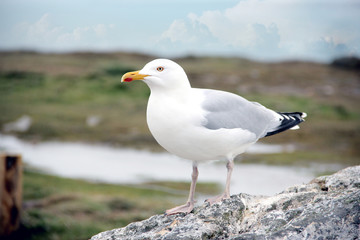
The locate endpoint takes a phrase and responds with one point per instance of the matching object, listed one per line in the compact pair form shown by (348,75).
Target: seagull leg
(189,205)
(226,194)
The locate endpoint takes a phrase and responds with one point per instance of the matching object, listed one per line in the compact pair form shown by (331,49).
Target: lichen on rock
(326,208)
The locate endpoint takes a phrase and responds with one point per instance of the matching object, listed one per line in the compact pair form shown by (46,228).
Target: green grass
(299,158)
(60,105)
(60,208)
(202,188)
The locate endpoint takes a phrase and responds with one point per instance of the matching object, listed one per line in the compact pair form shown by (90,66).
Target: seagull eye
(160,69)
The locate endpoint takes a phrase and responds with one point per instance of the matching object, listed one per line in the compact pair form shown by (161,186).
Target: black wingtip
(289,120)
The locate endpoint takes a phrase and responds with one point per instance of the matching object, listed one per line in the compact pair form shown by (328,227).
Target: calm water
(125,165)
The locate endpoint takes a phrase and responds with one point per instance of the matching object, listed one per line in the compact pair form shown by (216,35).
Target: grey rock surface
(326,208)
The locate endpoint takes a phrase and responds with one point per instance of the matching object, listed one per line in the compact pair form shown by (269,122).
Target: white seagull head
(160,74)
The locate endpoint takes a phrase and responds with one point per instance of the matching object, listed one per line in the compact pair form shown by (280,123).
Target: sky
(266,30)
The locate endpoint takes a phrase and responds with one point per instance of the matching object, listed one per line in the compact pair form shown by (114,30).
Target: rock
(93,120)
(326,208)
(20,125)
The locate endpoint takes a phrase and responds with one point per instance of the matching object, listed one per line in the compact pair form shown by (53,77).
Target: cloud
(274,29)
(177,32)
(216,30)
(38,31)
(259,29)
(43,33)
(188,31)
(327,45)
(186,35)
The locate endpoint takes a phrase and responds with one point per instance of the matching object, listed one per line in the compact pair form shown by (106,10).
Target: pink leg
(226,194)
(189,205)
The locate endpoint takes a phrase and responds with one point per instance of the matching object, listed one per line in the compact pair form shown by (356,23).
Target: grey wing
(227,110)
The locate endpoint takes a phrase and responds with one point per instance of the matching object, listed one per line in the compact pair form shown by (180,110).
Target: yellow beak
(130,76)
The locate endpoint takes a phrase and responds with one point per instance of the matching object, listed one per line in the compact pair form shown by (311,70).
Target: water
(102,163)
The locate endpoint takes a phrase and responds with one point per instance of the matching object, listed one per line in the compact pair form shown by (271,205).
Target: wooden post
(10,193)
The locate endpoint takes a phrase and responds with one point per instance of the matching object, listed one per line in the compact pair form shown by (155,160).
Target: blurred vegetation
(61,91)
(68,209)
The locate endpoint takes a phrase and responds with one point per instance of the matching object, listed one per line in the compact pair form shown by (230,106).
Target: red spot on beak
(128,79)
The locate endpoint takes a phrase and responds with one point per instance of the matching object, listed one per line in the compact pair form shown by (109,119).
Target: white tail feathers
(295,127)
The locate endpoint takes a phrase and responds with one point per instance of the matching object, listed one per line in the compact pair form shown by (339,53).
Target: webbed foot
(186,208)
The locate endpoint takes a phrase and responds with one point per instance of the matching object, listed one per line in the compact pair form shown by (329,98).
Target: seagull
(204,124)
